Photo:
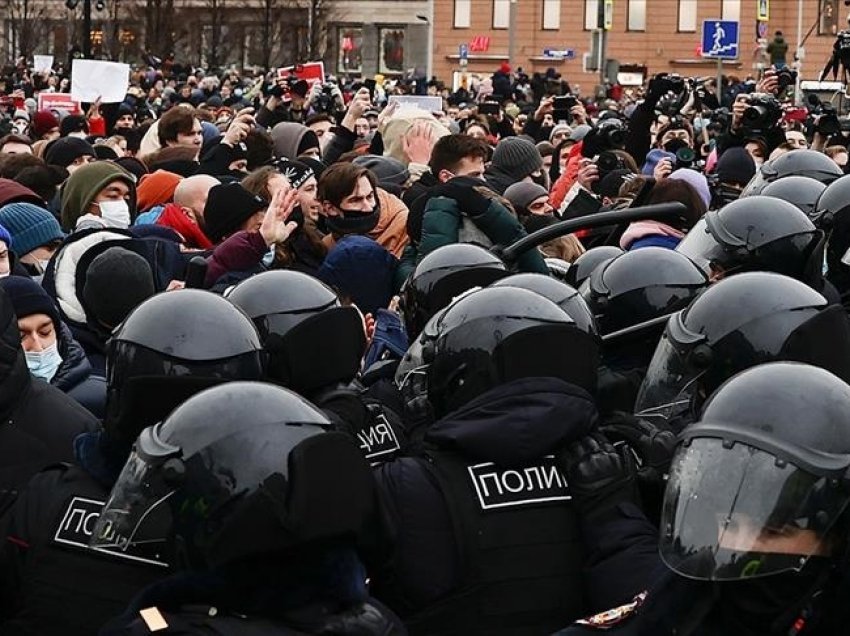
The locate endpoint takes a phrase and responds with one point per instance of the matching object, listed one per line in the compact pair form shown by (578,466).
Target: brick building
(662,35)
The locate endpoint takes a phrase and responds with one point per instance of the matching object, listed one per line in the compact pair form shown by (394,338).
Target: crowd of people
(292,358)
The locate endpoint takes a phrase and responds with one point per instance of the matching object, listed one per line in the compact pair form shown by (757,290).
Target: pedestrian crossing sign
(720,39)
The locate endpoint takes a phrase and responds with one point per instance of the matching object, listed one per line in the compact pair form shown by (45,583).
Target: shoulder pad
(615,616)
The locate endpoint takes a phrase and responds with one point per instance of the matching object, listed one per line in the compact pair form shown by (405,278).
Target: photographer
(638,137)
(756,116)
(277,109)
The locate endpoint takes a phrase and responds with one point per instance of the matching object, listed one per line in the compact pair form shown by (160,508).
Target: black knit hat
(296,172)
(73,124)
(228,206)
(735,165)
(28,297)
(117,281)
(65,150)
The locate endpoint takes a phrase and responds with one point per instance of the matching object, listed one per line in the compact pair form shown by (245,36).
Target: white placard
(42,63)
(91,79)
(427,103)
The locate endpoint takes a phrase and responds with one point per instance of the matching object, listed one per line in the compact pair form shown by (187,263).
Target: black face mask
(353,221)
(676,144)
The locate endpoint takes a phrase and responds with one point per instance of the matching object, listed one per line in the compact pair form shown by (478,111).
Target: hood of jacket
(75,367)
(15,377)
(517,422)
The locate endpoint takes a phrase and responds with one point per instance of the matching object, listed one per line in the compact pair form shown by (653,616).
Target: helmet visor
(737,512)
(136,518)
(701,247)
(669,384)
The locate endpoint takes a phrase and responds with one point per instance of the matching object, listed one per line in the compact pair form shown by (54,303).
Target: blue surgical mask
(44,364)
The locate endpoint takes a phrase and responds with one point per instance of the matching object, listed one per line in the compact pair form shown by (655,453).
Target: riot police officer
(754,530)
(740,322)
(172,346)
(631,295)
(803,163)
(486,539)
(315,347)
(260,507)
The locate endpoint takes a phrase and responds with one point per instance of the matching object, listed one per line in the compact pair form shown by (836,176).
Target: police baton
(598,219)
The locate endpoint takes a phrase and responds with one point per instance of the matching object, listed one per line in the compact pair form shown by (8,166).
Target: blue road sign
(720,39)
(561,54)
(463,52)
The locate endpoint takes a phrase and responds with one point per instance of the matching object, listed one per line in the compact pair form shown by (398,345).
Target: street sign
(763,10)
(463,51)
(720,39)
(560,54)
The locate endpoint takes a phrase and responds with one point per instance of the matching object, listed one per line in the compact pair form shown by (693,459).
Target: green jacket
(442,225)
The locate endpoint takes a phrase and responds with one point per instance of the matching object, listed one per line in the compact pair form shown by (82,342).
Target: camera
(786,77)
(606,163)
(763,113)
(325,99)
(825,113)
(719,120)
(563,104)
(612,134)
(489,108)
(685,158)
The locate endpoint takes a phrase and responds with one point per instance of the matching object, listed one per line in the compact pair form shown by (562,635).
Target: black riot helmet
(740,322)
(496,335)
(311,340)
(566,297)
(803,163)
(237,472)
(757,233)
(584,265)
(833,201)
(641,285)
(442,275)
(170,347)
(803,192)
(767,462)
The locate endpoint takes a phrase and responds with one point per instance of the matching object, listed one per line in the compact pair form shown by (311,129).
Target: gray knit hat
(516,157)
(523,193)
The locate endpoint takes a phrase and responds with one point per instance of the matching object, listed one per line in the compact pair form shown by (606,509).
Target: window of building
(501,14)
(591,14)
(731,10)
(350,42)
(392,50)
(463,14)
(552,14)
(687,16)
(829,16)
(637,15)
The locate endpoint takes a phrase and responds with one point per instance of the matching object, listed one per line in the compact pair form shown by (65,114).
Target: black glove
(653,447)
(462,189)
(599,476)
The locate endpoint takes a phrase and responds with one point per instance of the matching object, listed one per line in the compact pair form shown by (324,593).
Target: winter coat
(75,376)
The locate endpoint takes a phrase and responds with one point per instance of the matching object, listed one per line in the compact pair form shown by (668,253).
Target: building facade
(658,35)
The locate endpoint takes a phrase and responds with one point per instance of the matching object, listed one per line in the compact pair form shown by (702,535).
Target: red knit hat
(43,122)
(156,188)
(505,68)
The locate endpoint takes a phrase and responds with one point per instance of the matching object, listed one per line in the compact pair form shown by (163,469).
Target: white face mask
(44,364)
(115,213)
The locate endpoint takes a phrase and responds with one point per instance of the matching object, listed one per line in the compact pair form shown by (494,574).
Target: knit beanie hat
(696,180)
(117,281)
(228,206)
(317,165)
(73,124)
(522,194)
(102,151)
(21,114)
(516,157)
(560,128)
(28,298)
(30,226)
(387,170)
(85,183)
(296,172)
(133,166)
(12,191)
(735,165)
(43,122)
(156,188)
(65,150)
